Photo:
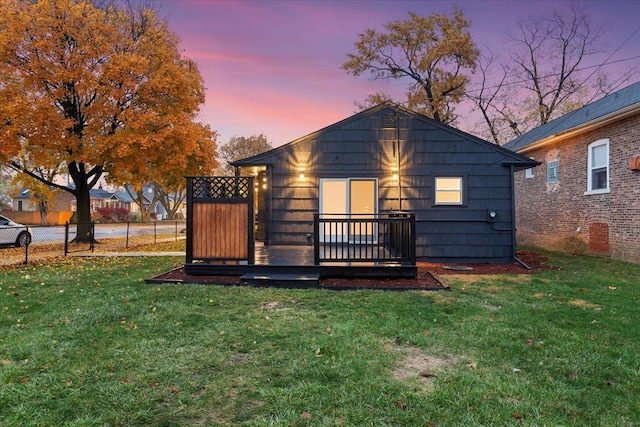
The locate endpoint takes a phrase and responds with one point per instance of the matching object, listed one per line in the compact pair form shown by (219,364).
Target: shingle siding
(360,148)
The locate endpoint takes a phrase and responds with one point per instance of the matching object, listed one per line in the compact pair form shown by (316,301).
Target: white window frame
(342,233)
(459,190)
(590,167)
(528,173)
(551,166)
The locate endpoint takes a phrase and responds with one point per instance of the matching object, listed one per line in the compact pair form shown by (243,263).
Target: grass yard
(85,342)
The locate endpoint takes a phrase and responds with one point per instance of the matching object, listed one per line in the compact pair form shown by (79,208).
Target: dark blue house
(389,160)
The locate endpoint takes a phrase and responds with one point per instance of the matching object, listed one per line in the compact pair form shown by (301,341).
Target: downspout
(513,220)
(398,163)
(269,205)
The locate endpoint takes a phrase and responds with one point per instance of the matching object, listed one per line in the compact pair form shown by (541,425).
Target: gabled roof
(99,193)
(511,158)
(615,106)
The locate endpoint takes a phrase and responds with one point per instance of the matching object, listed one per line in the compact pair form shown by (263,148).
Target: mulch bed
(429,275)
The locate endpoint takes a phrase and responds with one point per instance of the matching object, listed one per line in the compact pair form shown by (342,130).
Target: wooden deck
(299,260)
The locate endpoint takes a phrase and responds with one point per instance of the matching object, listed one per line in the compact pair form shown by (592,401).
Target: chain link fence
(61,240)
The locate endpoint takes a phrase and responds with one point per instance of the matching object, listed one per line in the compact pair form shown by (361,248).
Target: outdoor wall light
(394,173)
(301,173)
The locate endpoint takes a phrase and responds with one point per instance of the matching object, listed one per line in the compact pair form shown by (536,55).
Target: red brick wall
(599,238)
(561,217)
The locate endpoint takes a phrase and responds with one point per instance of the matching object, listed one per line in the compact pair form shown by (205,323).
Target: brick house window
(528,173)
(598,167)
(552,172)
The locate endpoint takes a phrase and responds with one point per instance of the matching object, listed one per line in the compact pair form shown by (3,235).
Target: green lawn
(85,342)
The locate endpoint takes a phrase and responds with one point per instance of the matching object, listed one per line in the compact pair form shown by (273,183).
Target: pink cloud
(274,66)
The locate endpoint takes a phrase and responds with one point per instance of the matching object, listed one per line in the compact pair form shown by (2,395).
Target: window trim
(463,190)
(590,190)
(554,164)
(528,173)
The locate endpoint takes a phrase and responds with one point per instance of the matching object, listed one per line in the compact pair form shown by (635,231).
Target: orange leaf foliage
(104,87)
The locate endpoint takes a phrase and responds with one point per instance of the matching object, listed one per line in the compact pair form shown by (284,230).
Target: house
(101,198)
(388,159)
(586,196)
(24,201)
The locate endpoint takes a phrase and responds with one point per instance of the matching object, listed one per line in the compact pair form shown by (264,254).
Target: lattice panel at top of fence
(221,187)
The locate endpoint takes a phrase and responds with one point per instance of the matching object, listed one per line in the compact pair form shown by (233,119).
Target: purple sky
(273,67)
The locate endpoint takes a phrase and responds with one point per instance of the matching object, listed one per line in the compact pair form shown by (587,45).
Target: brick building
(585,197)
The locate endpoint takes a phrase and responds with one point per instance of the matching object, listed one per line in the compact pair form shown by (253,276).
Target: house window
(552,172)
(448,190)
(598,167)
(528,173)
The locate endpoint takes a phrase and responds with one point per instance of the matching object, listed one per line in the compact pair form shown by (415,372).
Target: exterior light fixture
(301,173)
(394,173)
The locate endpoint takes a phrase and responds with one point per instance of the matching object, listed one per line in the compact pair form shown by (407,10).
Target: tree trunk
(43,207)
(83,213)
(83,183)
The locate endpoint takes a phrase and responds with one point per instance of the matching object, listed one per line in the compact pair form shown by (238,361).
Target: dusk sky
(273,67)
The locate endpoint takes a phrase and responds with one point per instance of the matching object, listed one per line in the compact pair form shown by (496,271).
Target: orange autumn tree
(100,90)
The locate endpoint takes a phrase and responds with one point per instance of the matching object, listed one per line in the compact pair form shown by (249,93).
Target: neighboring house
(25,202)
(101,198)
(586,196)
(387,159)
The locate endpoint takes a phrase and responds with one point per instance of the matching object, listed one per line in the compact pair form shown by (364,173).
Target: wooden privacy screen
(220,219)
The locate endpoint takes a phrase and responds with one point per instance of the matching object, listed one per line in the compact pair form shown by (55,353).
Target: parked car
(12,233)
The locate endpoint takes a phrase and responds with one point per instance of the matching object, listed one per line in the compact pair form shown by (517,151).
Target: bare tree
(433,52)
(546,74)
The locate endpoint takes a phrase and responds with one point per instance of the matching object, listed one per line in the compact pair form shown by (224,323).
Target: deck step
(281,280)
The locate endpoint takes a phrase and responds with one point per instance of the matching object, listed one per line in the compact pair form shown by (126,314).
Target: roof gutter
(593,124)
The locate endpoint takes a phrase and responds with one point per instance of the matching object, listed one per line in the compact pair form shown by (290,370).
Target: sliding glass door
(348,198)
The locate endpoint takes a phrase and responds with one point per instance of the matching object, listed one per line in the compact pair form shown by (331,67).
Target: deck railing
(378,238)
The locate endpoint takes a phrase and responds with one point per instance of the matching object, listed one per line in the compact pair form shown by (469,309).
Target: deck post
(316,239)
(412,238)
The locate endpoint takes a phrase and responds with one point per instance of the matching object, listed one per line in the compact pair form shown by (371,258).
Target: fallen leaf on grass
(401,405)
(306,415)
(472,365)
(24,380)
